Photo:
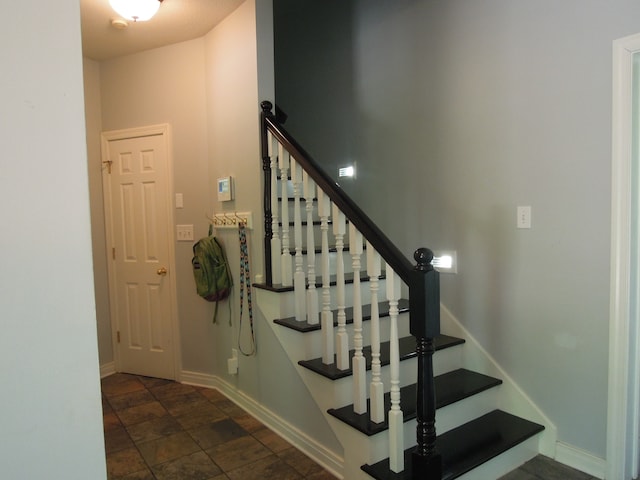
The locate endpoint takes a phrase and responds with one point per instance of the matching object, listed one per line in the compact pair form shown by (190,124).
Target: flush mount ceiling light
(136,10)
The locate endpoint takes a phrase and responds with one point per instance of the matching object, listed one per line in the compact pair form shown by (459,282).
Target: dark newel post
(266,202)
(425,325)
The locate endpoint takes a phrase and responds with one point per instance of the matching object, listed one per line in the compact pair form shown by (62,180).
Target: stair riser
(315,338)
(447,418)
(340,392)
(333,260)
(506,462)
(287,306)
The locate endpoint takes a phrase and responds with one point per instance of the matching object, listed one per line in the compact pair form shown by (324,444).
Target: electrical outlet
(232,363)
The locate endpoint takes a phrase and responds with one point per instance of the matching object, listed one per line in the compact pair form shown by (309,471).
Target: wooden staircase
(476,438)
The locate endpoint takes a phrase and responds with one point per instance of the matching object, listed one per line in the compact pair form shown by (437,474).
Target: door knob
(161,271)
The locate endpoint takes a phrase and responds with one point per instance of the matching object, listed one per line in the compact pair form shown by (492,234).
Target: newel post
(424,295)
(266,107)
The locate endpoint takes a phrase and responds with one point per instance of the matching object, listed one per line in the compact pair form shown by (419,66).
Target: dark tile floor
(543,468)
(161,430)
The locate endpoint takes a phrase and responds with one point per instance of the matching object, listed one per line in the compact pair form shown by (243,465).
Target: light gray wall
(51,413)
(93,121)
(167,85)
(462,111)
(207,90)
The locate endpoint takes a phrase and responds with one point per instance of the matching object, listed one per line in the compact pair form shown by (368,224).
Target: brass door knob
(161,271)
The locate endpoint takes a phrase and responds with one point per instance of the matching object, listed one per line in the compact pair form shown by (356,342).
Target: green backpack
(211,271)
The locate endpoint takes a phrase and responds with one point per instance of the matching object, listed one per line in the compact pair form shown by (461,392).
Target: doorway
(137,179)
(623,418)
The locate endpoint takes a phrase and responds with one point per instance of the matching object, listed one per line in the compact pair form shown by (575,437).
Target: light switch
(179,201)
(524,216)
(184,233)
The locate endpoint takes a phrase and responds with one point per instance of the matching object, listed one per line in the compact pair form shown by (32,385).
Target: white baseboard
(580,460)
(321,455)
(107,369)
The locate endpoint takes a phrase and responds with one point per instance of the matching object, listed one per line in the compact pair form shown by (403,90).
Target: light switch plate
(524,216)
(184,233)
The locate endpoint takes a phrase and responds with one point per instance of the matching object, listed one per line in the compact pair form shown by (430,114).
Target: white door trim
(622,414)
(165,131)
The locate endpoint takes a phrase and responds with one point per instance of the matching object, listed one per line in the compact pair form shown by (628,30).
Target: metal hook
(243,220)
(231,219)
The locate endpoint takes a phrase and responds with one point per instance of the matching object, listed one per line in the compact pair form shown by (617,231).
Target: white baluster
(276,244)
(298,276)
(309,192)
(328,351)
(376,413)
(359,363)
(287,261)
(342,338)
(396,443)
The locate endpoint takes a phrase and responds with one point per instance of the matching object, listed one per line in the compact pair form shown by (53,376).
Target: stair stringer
(512,398)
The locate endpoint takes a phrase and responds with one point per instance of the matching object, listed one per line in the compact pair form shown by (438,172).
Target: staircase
(352,329)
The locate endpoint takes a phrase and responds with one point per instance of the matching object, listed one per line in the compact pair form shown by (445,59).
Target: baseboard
(321,455)
(107,369)
(580,460)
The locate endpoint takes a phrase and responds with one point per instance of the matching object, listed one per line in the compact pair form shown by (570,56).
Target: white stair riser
(333,259)
(315,337)
(342,389)
(506,462)
(447,418)
(287,305)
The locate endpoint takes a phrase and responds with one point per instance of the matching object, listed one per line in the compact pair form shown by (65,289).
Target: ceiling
(176,21)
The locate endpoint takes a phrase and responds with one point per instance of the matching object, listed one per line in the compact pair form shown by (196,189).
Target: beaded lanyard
(245,280)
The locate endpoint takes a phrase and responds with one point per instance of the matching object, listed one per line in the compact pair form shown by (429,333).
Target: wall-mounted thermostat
(225,189)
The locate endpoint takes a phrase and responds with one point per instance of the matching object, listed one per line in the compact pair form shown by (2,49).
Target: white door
(136,179)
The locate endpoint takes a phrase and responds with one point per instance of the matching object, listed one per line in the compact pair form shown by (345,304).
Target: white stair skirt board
(513,398)
(299,439)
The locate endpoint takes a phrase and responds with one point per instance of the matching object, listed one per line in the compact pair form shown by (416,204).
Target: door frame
(163,130)
(623,418)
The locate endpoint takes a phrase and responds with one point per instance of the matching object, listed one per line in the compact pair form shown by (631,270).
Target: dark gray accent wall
(456,112)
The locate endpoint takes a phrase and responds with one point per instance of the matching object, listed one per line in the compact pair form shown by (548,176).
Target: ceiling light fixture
(136,10)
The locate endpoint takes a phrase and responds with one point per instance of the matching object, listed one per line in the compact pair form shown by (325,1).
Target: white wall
(93,120)
(167,85)
(207,90)
(464,110)
(51,413)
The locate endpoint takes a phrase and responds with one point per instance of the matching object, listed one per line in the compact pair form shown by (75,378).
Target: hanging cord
(245,281)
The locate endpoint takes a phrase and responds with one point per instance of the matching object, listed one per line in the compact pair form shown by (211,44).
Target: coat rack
(231,219)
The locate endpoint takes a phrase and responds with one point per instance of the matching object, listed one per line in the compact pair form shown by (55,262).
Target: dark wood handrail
(422,279)
(387,250)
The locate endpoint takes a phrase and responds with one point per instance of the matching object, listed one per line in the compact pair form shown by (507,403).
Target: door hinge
(113,253)
(108,162)
(118,335)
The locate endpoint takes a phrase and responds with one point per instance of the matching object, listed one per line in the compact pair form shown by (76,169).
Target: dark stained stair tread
(468,446)
(291,322)
(348,278)
(407,350)
(450,388)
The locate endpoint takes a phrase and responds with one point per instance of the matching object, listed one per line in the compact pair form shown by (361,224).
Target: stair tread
(348,278)
(450,387)
(407,350)
(468,446)
(305,326)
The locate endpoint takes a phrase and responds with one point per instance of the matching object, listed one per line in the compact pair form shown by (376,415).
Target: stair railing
(283,158)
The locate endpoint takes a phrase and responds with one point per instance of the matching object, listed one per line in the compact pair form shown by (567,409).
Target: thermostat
(225,189)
